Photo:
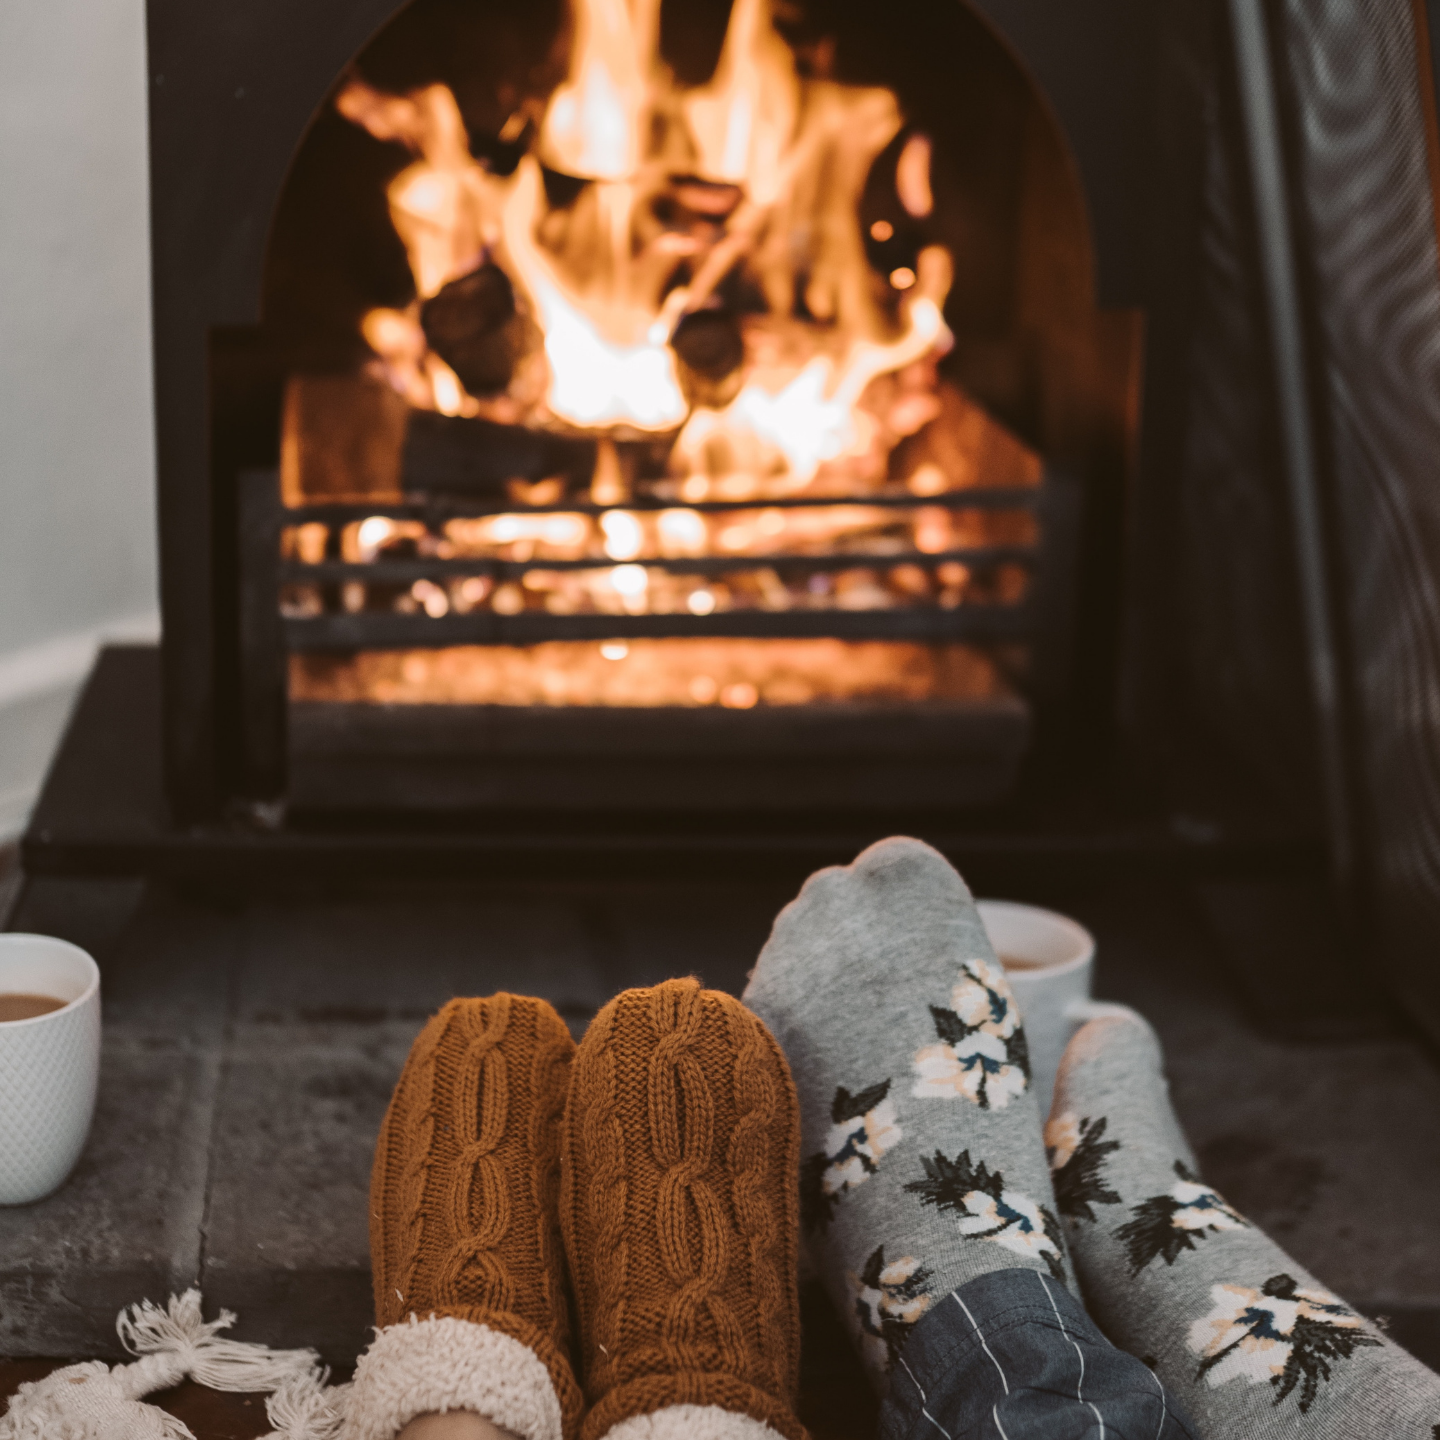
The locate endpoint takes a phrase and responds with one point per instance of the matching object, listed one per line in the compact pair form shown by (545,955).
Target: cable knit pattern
(756,1103)
(681,1133)
(549,1081)
(600,1303)
(414,1147)
(478,1199)
(690,1223)
(463,1218)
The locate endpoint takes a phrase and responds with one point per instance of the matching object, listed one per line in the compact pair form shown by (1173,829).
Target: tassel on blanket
(95,1402)
(303,1408)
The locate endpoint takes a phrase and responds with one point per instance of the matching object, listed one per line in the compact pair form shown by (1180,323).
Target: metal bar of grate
(335,512)
(387,631)
(402,571)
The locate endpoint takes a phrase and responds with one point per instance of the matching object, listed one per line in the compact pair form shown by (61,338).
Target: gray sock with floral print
(922,1165)
(1247,1340)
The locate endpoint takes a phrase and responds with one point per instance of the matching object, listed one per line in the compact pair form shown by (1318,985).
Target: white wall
(77,548)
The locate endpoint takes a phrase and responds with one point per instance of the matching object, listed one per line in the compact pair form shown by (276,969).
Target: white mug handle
(1081,1012)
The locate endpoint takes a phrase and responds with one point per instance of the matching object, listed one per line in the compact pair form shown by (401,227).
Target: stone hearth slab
(250,1049)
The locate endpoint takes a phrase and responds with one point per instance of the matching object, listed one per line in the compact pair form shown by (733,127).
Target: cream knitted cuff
(443,1364)
(691,1422)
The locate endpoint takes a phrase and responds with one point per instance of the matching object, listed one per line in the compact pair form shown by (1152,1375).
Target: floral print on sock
(889,1299)
(863,1127)
(1076,1149)
(1278,1334)
(986,1210)
(1167,1225)
(981,1054)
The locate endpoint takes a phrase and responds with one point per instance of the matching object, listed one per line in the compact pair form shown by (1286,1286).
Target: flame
(596,380)
(758,175)
(595,122)
(441,206)
(610,281)
(742,122)
(815,418)
(912,177)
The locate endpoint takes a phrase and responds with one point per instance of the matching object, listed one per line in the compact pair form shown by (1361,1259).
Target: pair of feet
(623,1211)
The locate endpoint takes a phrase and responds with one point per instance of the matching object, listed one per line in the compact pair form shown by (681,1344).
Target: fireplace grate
(1034,625)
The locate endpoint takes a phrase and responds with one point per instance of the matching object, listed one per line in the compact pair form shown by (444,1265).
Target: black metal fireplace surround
(1222,550)
(238,751)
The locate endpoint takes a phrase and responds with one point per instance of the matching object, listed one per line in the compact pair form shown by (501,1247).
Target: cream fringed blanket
(94,1401)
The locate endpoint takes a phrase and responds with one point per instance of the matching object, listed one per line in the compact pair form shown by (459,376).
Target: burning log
(461,456)
(710,343)
(471,324)
(341,438)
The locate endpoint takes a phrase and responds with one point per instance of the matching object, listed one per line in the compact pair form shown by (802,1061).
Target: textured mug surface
(1050,963)
(49,1065)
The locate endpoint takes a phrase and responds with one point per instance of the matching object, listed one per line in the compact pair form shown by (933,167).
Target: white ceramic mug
(49,1065)
(1049,960)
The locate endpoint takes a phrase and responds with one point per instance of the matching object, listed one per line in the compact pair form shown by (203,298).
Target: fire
(772,166)
(441,206)
(594,125)
(823,384)
(598,380)
(815,417)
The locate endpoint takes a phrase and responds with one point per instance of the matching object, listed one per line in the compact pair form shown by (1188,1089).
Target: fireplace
(644,408)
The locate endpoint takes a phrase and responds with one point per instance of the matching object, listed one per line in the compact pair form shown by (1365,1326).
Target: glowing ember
(733,674)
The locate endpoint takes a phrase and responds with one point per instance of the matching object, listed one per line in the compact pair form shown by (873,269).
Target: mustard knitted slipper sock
(465,1249)
(679,1212)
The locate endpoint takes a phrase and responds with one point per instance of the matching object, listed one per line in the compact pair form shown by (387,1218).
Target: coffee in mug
(26,1007)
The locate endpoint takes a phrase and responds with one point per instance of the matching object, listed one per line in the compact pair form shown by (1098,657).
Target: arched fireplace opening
(760,459)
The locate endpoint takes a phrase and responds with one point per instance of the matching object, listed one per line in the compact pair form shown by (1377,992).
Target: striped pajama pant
(1014,1356)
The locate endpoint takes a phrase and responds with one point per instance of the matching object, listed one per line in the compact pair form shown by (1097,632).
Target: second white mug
(1049,960)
